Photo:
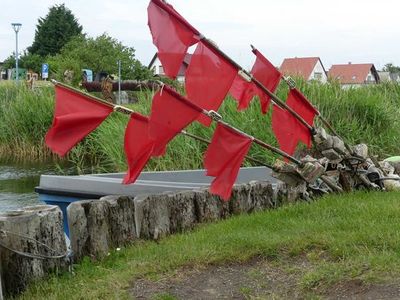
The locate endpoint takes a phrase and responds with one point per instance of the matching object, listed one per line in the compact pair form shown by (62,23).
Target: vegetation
(369,115)
(98,54)
(54,31)
(59,41)
(340,238)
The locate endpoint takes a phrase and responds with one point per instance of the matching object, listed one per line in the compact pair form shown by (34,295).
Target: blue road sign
(45,71)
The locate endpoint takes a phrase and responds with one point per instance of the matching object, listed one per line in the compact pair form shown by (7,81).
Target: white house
(354,75)
(157,68)
(309,68)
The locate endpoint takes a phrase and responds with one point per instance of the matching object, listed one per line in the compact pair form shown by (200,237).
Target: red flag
(243,91)
(75,116)
(172,35)
(208,79)
(265,72)
(224,157)
(298,102)
(170,113)
(287,129)
(138,146)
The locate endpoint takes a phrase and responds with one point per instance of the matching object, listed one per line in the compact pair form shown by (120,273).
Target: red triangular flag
(138,146)
(243,91)
(172,35)
(298,102)
(265,72)
(287,129)
(224,157)
(170,113)
(208,79)
(75,116)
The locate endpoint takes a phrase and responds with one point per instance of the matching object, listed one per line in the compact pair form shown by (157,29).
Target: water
(17,184)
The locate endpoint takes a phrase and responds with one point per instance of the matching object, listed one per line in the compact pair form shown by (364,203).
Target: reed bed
(368,114)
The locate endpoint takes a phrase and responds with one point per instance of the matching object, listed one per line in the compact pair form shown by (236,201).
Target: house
(386,76)
(309,68)
(156,66)
(3,72)
(354,75)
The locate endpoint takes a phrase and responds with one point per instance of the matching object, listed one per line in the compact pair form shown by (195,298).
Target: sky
(340,31)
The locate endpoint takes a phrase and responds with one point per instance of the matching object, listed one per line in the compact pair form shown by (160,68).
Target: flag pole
(127,111)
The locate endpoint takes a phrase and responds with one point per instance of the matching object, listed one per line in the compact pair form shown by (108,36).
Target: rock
(28,230)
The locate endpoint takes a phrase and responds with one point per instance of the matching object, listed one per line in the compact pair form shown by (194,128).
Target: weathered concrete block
(250,197)
(182,211)
(210,207)
(78,230)
(121,219)
(152,216)
(28,230)
(97,226)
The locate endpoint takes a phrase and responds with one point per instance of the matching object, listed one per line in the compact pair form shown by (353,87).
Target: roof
(300,66)
(182,69)
(353,73)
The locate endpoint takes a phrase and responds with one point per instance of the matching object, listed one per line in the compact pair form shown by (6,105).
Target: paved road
(148,182)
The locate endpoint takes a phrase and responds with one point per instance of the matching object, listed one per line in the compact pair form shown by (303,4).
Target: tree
(27,61)
(98,54)
(54,31)
(9,62)
(389,67)
(31,62)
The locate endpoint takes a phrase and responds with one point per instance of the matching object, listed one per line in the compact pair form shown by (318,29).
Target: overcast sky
(339,31)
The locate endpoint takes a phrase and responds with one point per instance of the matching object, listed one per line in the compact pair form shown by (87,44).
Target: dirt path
(256,279)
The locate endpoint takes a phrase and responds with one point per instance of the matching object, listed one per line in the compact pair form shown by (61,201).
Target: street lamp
(16,27)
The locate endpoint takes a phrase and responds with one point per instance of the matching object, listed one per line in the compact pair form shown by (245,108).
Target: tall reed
(369,114)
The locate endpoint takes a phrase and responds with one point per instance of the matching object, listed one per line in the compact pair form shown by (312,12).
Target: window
(161,70)
(354,77)
(318,75)
(369,78)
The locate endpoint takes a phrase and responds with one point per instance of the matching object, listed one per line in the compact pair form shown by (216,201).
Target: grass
(352,236)
(370,115)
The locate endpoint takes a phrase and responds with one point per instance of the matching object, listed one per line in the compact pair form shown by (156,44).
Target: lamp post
(16,27)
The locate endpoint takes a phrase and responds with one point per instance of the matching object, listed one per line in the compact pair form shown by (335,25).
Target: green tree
(9,62)
(31,62)
(98,54)
(54,31)
(389,67)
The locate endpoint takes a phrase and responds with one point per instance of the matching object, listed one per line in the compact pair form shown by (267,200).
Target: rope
(30,255)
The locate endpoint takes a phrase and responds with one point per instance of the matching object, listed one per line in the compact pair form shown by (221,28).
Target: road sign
(45,71)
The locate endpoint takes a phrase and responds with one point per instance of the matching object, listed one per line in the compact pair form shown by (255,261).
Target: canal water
(17,184)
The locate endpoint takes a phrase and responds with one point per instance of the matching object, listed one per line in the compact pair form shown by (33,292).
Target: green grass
(370,115)
(352,236)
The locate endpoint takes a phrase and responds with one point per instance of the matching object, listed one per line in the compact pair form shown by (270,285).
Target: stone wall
(99,226)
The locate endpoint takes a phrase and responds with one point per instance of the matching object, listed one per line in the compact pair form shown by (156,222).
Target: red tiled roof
(351,73)
(299,66)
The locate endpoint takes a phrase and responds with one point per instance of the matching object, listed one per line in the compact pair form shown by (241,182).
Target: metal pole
(16,27)
(119,82)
